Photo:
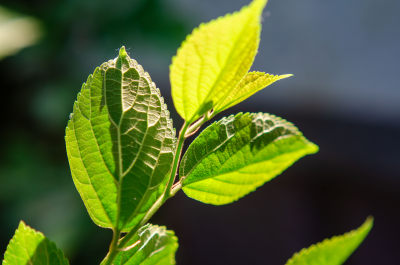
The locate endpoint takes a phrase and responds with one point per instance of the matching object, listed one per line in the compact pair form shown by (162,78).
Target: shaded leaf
(31,247)
(213,59)
(237,154)
(157,247)
(333,251)
(120,143)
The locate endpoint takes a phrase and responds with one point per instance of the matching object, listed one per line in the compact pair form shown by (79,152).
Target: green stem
(177,158)
(113,250)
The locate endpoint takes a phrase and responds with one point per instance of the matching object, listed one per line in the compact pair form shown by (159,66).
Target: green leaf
(120,143)
(237,154)
(333,251)
(31,247)
(157,246)
(250,84)
(213,59)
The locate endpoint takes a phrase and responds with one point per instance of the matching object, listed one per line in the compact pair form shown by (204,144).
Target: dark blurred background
(344,96)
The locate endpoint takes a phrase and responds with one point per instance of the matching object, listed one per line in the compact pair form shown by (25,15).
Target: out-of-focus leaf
(17,32)
(333,251)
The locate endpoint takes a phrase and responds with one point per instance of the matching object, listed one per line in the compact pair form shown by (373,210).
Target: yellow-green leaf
(333,251)
(31,247)
(213,59)
(250,84)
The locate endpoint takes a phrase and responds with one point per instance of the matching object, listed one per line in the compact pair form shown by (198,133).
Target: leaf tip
(286,76)
(122,52)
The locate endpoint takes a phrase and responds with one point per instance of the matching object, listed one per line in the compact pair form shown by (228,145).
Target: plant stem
(177,158)
(113,250)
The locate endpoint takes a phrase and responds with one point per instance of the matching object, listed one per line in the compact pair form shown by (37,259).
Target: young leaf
(213,59)
(333,251)
(237,154)
(31,247)
(152,245)
(250,84)
(120,143)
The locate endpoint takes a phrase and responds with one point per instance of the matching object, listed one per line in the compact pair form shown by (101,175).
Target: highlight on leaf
(214,59)
(120,143)
(333,251)
(151,245)
(234,156)
(31,247)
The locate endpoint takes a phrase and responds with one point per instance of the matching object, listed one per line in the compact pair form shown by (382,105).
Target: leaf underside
(31,247)
(333,251)
(157,247)
(120,143)
(213,59)
(237,154)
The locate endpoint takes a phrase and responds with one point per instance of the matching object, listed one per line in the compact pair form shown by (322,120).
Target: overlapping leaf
(213,59)
(237,154)
(31,247)
(120,143)
(153,245)
(333,251)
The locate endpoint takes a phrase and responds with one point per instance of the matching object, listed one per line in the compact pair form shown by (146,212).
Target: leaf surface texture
(120,143)
(157,247)
(237,154)
(213,59)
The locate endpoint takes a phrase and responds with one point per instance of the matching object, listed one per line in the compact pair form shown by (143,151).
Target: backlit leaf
(157,246)
(333,251)
(237,154)
(250,84)
(31,247)
(213,59)
(120,143)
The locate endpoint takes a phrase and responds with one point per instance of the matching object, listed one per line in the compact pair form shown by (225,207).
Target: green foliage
(333,251)
(30,247)
(120,143)
(237,154)
(152,245)
(124,155)
(213,60)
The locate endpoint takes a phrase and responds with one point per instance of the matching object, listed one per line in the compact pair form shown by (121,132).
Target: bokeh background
(344,96)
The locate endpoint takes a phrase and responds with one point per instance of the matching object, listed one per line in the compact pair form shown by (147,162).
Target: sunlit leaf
(250,84)
(120,143)
(213,59)
(237,154)
(31,247)
(333,251)
(152,245)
